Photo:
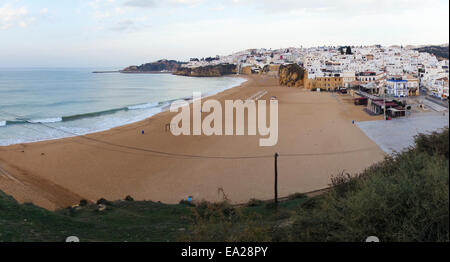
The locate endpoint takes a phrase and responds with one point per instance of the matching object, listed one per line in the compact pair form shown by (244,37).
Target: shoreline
(143,72)
(163,108)
(105,72)
(57,173)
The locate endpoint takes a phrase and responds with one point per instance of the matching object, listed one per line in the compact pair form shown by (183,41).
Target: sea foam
(90,103)
(143,106)
(46,120)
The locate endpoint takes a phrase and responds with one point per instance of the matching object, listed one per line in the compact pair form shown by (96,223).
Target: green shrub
(297,196)
(404,198)
(270,205)
(129,199)
(434,144)
(185,202)
(222,222)
(344,183)
(103,201)
(83,203)
(254,202)
(310,203)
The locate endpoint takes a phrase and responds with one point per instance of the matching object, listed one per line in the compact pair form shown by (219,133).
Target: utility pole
(276,180)
(384,104)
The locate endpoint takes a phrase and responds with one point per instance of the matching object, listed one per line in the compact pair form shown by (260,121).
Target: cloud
(342,7)
(186,2)
(153,3)
(14,16)
(104,9)
(130,25)
(119,10)
(124,25)
(99,15)
(100,3)
(141,3)
(44,11)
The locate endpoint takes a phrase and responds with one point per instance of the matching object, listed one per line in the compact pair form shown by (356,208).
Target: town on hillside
(371,74)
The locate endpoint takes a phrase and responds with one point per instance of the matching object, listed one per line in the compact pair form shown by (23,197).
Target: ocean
(46,104)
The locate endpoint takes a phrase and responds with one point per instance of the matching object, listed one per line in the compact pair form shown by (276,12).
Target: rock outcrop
(246,70)
(271,68)
(207,71)
(291,75)
(158,66)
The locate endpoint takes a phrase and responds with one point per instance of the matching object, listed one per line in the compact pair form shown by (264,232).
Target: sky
(118,33)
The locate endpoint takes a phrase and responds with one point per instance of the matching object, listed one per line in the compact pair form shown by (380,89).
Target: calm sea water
(44,104)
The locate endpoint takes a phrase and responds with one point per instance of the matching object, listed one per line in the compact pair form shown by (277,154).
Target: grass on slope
(404,198)
(129,221)
(121,221)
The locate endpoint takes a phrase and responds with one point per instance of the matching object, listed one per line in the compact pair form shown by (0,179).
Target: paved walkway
(434,106)
(398,134)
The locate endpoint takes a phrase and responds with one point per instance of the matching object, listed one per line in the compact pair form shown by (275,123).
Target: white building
(348,77)
(397,88)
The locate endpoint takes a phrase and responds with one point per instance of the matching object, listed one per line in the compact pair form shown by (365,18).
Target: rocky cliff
(207,71)
(158,66)
(291,75)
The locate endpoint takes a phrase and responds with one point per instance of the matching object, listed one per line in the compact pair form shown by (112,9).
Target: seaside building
(370,88)
(413,85)
(377,106)
(347,78)
(328,83)
(367,68)
(397,87)
(442,88)
(366,77)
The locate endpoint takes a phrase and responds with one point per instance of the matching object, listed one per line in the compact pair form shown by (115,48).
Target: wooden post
(276,180)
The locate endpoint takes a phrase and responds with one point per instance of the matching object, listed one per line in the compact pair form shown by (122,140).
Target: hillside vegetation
(207,71)
(158,66)
(441,52)
(404,198)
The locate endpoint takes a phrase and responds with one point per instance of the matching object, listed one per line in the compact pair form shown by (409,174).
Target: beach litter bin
(143,132)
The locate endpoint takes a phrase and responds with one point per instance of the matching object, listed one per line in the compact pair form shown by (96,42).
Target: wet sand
(317,139)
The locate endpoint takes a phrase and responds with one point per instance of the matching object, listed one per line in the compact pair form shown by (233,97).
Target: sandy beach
(317,140)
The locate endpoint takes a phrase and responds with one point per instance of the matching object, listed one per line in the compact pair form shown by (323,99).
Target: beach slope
(317,139)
